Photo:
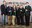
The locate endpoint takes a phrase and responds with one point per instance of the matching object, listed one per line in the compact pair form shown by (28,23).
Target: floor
(16,26)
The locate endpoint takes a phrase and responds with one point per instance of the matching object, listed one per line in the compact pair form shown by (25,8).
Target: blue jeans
(3,19)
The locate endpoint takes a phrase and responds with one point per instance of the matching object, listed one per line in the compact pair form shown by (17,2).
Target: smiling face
(17,6)
(10,5)
(21,6)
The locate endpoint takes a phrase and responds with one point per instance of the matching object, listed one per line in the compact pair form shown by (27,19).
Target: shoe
(18,24)
(27,25)
(22,24)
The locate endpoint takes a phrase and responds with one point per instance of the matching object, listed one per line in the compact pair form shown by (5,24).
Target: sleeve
(25,7)
(29,8)
(7,9)
(23,10)
(1,7)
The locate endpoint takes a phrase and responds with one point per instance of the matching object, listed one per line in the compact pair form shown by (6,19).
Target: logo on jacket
(20,10)
(9,10)
(26,10)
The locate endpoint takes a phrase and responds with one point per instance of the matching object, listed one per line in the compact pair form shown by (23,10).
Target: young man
(22,10)
(27,13)
(14,15)
(17,15)
(3,12)
(9,13)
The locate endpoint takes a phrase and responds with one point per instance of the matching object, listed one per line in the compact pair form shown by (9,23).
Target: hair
(27,2)
(18,5)
(4,1)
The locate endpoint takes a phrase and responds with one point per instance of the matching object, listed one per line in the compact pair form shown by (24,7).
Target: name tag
(20,10)
(10,11)
(26,10)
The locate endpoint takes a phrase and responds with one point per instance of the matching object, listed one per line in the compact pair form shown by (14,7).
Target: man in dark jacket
(17,15)
(3,11)
(9,13)
(22,11)
(27,13)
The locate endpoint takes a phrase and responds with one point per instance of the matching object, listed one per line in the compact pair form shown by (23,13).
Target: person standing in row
(3,11)
(14,15)
(27,13)
(22,11)
(9,13)
(17,15)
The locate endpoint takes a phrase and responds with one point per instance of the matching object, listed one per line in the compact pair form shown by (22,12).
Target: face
(4,3)
(27,3)
(10,5)
(13,5)
(21,6)
(17,6)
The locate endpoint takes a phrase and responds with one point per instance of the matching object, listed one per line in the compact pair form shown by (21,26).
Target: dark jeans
(22,20)
(27,19)
(18,20)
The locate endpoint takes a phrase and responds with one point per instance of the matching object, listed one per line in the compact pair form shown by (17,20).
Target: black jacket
(27,10)
(22,11)
(17,11)
(14,11)
(3,9)
(9,11)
